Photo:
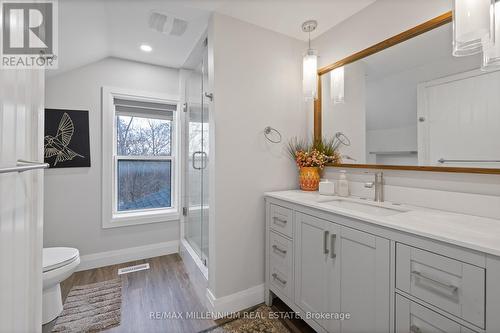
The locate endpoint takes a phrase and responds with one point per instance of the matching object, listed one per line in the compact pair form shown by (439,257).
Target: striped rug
(91,308)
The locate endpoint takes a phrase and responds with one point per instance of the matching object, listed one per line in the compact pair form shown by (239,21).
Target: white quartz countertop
(472,232)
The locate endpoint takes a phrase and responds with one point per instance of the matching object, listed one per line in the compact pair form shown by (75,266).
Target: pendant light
(310,65)
(337,85)
(471,26)
(491,53)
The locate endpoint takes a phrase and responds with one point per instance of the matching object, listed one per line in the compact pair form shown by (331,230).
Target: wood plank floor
(165,287)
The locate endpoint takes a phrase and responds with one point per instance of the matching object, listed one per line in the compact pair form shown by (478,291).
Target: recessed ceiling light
(146,48)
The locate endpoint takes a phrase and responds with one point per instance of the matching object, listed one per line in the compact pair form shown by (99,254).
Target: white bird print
(58,145)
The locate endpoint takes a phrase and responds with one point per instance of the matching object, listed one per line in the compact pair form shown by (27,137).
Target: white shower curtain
(21,200)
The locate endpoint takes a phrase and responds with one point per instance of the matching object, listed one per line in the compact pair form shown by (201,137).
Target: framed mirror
(408,104)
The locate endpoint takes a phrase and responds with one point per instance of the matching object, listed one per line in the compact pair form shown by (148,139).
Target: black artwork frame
(67,140)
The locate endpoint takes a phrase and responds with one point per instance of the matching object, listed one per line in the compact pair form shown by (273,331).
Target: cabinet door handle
(415,329)
(277,278)
(280,220)
(325,242)
(276,248)
(450,287)
(333,237)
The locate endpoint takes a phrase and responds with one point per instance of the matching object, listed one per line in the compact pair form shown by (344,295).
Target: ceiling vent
(167,24)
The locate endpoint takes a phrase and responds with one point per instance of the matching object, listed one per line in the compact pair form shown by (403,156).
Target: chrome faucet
(379,186)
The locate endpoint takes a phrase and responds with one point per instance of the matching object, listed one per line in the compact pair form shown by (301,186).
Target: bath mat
(258,320)
(91,308)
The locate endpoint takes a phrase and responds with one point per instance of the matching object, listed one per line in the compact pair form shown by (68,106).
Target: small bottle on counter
(326,187)
(343,185)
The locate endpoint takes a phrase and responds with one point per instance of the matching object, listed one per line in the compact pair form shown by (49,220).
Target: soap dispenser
(343,185)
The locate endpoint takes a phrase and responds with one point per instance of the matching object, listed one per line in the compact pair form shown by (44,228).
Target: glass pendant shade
(310,75)
(471,26)
(491,52)
(337,85)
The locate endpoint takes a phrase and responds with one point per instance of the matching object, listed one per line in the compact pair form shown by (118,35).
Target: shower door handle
(203,158)
(210,96)
(194,160)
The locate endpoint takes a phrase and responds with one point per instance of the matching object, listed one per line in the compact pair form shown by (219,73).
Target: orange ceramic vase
(309,178)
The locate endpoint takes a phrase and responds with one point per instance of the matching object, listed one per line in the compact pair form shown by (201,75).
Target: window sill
(137,218)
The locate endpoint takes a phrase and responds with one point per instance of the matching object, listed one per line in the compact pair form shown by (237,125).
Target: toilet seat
(58,265)
(56,257)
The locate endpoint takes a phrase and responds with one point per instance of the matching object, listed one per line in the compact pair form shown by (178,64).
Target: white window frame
(111,218)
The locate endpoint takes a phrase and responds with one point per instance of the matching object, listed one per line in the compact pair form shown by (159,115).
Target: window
(141,161)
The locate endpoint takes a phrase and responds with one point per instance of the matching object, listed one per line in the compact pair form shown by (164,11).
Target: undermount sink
(368,208)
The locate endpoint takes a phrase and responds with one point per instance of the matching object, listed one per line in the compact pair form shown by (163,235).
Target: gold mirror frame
(404,36)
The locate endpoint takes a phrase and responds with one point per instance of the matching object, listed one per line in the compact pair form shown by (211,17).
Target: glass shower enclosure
(196,161)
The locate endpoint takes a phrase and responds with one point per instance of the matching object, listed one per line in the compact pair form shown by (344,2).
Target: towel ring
(342,139)
(268,130)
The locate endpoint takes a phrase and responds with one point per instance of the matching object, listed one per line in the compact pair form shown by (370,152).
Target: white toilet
(58,264)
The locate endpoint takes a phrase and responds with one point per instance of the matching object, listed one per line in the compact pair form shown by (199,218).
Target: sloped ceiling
(95,29)
(287,16)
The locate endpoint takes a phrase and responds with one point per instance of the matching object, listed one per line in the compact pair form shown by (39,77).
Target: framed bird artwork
(66,142)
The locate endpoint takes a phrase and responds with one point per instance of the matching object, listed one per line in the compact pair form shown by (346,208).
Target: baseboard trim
(101,259)
(235,302)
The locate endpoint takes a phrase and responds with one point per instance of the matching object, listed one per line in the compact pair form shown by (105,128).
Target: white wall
(73,195)
(257,82)
(466,193)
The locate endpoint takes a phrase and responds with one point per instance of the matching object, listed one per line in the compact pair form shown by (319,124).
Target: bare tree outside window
(137,136)
(144,182)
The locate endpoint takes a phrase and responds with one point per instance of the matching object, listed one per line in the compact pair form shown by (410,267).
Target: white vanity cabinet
(341,270)
(332,263)
(326,266)
(364,281)
(412,317)
(451,285)
(317,268)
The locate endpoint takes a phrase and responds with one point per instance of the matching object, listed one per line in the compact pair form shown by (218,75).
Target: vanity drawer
(415,318)
(280,263)
(281,220)
(451,285)
(280,251)
(280,281)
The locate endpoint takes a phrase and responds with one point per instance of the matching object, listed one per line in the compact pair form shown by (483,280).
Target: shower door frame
(198,252)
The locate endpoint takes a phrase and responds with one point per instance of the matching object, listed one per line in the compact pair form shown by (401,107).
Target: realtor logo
(29,37)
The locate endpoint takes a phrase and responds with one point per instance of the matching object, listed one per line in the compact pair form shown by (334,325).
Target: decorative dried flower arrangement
(313,157)
(316,154)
